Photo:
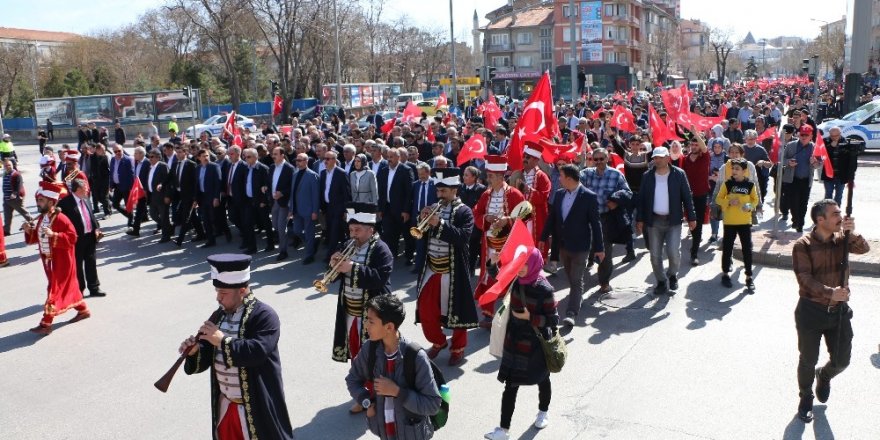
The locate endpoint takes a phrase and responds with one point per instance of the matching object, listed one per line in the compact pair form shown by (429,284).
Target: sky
(764,18)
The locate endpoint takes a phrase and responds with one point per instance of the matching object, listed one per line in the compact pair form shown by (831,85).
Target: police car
(214,125)
(862,124)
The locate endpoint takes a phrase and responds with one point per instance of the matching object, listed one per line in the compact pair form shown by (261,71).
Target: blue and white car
(214,125)
(862,124)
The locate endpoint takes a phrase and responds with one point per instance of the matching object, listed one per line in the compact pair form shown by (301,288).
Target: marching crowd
(446,196)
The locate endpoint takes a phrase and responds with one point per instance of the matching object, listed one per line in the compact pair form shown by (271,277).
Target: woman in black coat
(532,308)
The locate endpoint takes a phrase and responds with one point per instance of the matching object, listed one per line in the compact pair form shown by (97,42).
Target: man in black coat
(119,134)
(255,211)
(208,198)
(182,192)
(335,192)
(233,185)
(395,193)
(141,172)
(99,179)
(279,183)
(573,220)
(155,185)
(77,208)
(470,193)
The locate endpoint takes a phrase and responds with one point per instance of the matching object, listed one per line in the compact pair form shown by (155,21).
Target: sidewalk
(776,252)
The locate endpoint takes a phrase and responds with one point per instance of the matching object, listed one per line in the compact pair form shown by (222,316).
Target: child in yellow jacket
(737,197)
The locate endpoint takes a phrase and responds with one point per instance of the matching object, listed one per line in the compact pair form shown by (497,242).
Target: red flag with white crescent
(136,193)
(513,256)
(474,148)
(441,101)
(536,121)
(412,112)
(277,105)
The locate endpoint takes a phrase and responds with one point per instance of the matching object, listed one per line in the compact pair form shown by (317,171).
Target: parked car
(401,99)
(863,125)
(214,125)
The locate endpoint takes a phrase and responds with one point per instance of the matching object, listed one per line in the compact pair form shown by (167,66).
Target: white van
(404,97)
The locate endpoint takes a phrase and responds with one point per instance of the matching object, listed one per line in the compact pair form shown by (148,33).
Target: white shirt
(661,194)
(275,176)
(229,178)
(391,172)
(150,177)
(328,179)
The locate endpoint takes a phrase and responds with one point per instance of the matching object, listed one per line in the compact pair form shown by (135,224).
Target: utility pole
(454,74)
(571,32)
(338,61)
(858,62)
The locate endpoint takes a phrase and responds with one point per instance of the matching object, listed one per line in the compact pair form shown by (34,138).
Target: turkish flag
(386,127)
(716,88)
(429,135)
(768,133)
(821,152)
(277,105)
(230,128)
(137,192)
(623,119)
(513,256)
(675,102)
(490,112)
(552,152)
(441,101)
(535,122)
(474,148)
(660,132)
(411,112)
(629,96)
(704,123)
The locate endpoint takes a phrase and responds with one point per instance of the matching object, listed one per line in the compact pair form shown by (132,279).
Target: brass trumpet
(419,230)
(330,275)
(521,211)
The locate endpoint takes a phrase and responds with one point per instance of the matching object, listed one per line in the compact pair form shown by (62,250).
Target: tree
(751,71)
(15,64)
(76,83)
(54,87)
(830,48)
(660,49)
(719,40)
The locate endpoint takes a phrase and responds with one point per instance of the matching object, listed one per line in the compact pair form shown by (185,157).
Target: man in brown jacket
(822,309)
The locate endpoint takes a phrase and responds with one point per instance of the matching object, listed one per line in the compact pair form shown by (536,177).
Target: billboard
(93,110)
(131,108)
(170,104)
(355,96)
(366,95)
(591,31)
(60,111)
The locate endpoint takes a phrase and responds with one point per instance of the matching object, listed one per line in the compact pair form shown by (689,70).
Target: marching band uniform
(498,203)
(247,393)
(370,276)
(537,191)
(59,262)
(72,171)
(444,282)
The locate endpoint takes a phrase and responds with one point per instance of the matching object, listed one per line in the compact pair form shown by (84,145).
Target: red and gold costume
(58,258)
(72,160)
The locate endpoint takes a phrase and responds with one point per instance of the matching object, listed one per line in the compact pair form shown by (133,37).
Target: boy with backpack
(737,198)
(393,378)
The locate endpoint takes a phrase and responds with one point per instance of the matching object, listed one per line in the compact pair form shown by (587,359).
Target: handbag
(499,328)
(555,349)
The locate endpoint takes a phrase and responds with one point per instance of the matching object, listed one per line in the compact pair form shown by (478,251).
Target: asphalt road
(709,363)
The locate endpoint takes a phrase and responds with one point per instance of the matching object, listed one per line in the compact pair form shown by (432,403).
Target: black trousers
(119,199)
(606,266)
(86,265)
(140,215)
(813,321)
(99,195)
(476,242)
(798,196)
(251,217)
(159,214)
(187,218)
(508,400)
(783,199)
(745,240)
(207,213)
(700,206)
(334,232)
(392,227)
(221,225)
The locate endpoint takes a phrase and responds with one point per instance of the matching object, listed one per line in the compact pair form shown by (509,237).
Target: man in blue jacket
(664,189)
(304,205)
(208,190)
(121,178)
(574,207)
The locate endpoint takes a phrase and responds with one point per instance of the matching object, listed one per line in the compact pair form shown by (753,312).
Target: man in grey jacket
(798,163)
(395,409)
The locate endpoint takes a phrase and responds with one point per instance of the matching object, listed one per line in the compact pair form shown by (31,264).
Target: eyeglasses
(599,159)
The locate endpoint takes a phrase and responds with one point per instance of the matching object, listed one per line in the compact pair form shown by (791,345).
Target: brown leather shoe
(456,358)
(80,316)
(434,351)
(42,331)
(356,408)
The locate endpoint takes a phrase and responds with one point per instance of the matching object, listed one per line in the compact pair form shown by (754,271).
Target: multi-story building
(518,42)
(694,46)
(45,43)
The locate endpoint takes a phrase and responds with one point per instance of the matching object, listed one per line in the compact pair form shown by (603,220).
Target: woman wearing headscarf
(364,188)
(532,308)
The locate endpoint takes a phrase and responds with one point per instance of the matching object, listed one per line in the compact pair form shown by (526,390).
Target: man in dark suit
(121,178)
(334,187)
(305,203)
(375,119)
(395,193)
(77,208)
(141,172)
(256,207)
(99,179)
(182,193)
(470,193)
(280,180)
(155,185)
(208,198)
(573,208)
(233,185)
(221,222)
(423,195)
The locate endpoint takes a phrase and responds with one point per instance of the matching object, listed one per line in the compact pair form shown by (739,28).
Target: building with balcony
(518,42)
(694,46)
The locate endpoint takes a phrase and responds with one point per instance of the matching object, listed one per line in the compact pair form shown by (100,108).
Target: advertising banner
(591,31)
(355,96)
(173,104)
(60,111)
(366,95)
(93,110)
(591,52)
(131,108)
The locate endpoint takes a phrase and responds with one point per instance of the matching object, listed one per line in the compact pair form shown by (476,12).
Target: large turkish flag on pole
(536,121)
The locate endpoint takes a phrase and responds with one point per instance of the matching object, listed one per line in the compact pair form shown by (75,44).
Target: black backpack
(409,373)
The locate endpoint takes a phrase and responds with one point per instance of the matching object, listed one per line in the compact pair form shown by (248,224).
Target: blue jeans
(834,187)
(665,237)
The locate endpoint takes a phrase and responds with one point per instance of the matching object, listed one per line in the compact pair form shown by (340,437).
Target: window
(610,32)
(545,33)
(614,9)
(615,57)
(524,61)
(546,49)
(524,38)
(566,34)
(501,61)
(565,12)
(623,33)
(500,40)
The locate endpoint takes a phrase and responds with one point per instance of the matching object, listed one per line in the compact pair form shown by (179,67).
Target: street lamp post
(34,67)
(454,74)
(763,44)
(338,60)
